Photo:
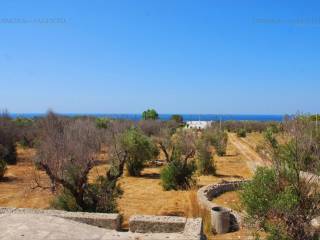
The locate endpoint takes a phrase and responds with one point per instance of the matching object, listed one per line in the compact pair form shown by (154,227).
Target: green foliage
(270,137)
(242,132)
(258,195)
(286,200)
(150,114)
(65,201)
(177,174)
(205,164)
(99,196)
(7,139)
(264,196)
(102,123)
(276,233)
(3,168)
(139,149)
(218,138)
(23,122)
(177,118)
(279,197)
(8,153)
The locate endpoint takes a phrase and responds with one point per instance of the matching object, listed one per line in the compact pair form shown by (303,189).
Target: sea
(186,117)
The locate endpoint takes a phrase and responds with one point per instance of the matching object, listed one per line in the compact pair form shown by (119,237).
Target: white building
(198,124)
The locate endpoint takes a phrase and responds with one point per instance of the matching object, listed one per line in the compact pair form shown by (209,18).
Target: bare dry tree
(172,140)
(67,151)
(68,144)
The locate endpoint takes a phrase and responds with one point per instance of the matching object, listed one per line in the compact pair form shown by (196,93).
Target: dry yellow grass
(228,199)
(15,190)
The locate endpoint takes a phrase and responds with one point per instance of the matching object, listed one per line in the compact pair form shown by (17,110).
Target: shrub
(3,168)
(150,114)
(258,195)
(177,118)
(205,163)
(241,132)
(177,174)
(8,139)
(139,149)
(8,153)
(102,123)
(279,198)
(250,126)
(218,139)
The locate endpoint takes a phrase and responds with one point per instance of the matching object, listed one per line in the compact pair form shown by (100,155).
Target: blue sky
(241,56)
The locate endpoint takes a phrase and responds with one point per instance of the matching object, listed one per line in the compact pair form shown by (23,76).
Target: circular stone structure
(209,192)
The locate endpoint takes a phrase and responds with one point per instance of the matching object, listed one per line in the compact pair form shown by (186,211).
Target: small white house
(198,124)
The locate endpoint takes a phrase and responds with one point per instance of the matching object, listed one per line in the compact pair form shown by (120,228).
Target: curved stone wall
(207,193)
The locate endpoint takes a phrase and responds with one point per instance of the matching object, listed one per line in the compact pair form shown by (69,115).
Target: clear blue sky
(183,56)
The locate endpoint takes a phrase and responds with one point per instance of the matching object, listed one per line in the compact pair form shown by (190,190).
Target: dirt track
(252,157)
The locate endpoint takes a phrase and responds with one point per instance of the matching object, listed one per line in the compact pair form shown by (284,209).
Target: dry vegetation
(142,195)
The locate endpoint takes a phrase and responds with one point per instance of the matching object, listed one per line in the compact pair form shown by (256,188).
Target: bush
(205,163)
(139,149)
(102,123)
(242,132)
(3,168)
(177,174)
(258,195)
(8,139)
(8,153)
(218,139)
(177,118)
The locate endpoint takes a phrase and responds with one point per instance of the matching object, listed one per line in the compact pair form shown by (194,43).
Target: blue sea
(186,117)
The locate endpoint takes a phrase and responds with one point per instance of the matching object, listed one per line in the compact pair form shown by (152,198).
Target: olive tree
(139,149)
(150,114)
(67,151)
(179,150)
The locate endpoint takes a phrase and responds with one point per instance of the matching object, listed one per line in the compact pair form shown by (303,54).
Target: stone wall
(190,228)
(207,193)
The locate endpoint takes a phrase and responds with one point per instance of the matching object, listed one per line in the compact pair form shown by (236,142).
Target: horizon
(174,56)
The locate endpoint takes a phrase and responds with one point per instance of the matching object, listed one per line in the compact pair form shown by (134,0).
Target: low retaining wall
(103,220)
(190,228)
(207,193)
(156,224)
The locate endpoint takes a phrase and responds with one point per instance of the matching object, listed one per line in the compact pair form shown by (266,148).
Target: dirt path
(252,158)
